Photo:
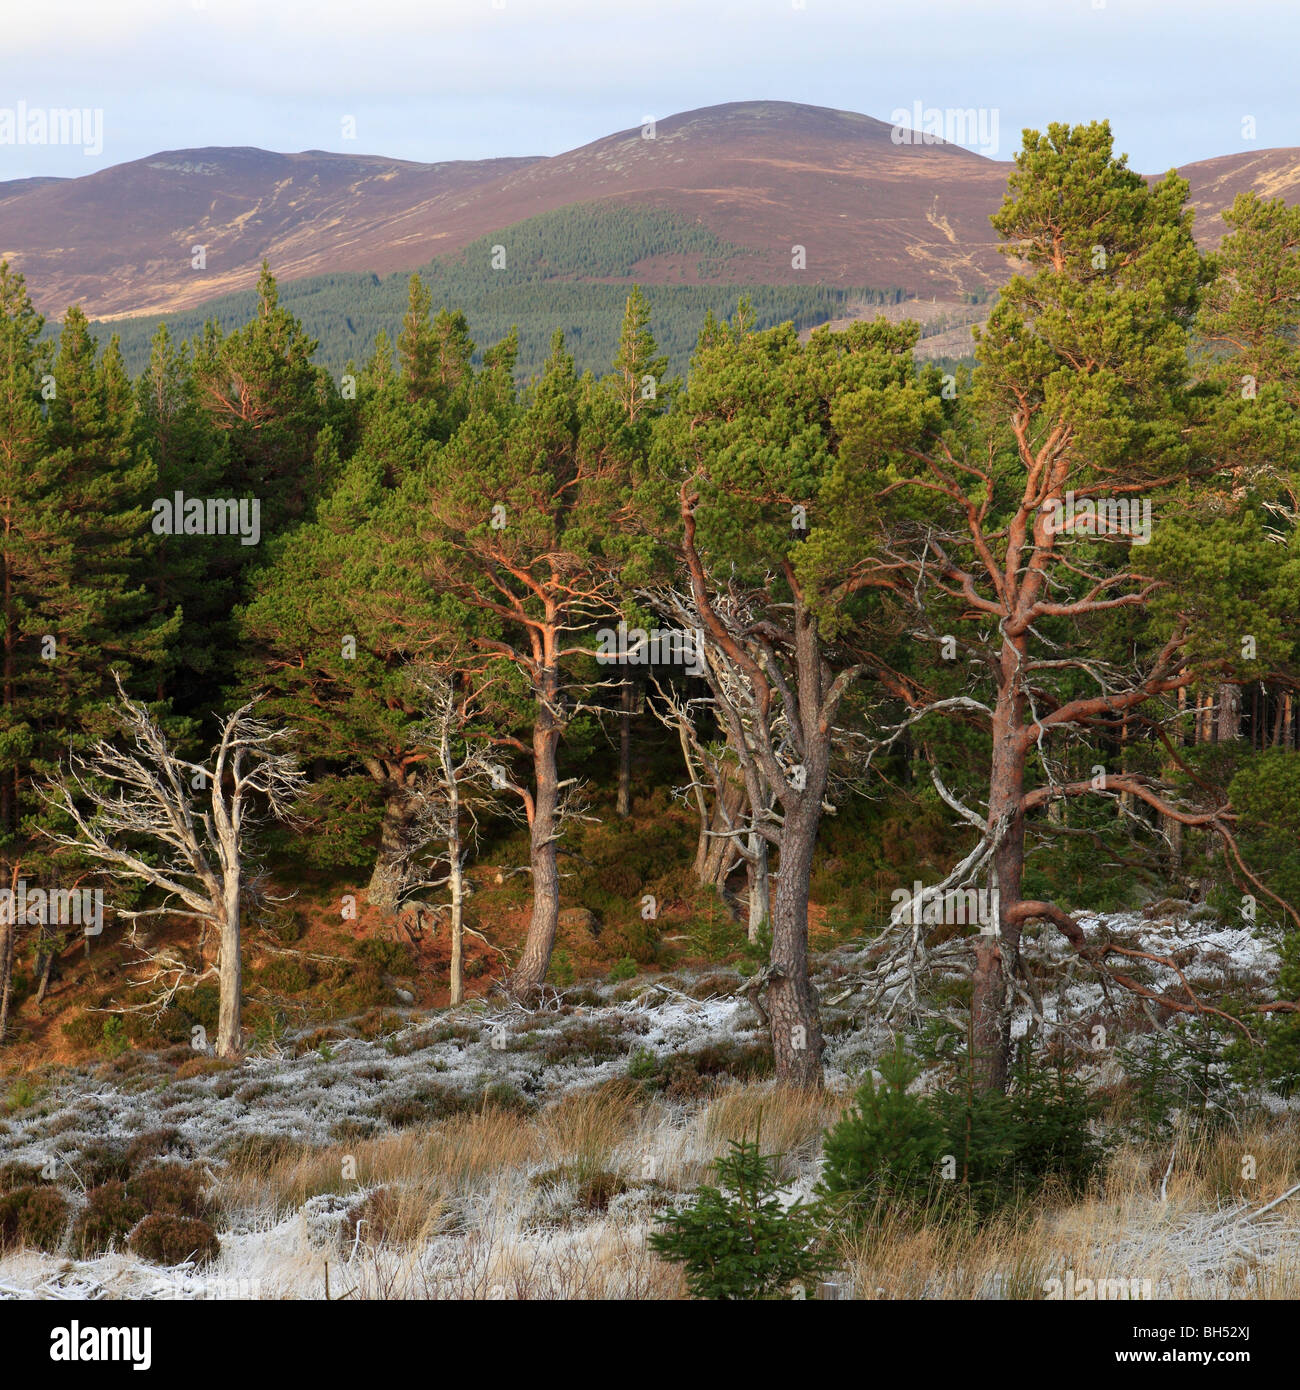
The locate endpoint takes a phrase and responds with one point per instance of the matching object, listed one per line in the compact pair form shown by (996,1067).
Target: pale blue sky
(465,79)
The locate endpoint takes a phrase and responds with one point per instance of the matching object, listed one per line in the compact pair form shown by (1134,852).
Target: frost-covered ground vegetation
(492,1152)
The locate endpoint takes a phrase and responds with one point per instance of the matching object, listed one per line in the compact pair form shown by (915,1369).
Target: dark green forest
(1027,628)
(543,285)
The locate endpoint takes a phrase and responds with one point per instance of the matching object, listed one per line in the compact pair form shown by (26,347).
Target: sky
(433,80)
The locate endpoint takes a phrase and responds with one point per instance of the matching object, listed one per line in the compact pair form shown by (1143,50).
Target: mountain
(758,177)
(763,175)
(121,241)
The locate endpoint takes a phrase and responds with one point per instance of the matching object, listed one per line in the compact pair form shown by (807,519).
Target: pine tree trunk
(792,1004)
(383,892)
(1228,698)
(995,955)
(530,972)
(456,879)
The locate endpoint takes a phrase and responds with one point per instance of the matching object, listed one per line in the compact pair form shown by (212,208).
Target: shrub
(21,1094)
(361,987)
(594,1187)
(108,1217)
(155,1143)
(643,1065)
(561,968)
(204,1066)
(623,969)
(101,1161)
(584,1040)
(395,957)
(113,1041)
(33,1216)
(167,1239)
(424,1104)
(378,1022)
(737,1241)
(201,1006)
(17,1174)
(83,1031)
(501,1095)
(1053,1141)
(169,1187)
(935,1154)
(1184,1070)
(286,974)
(1276,1060)
(887,1145)
(250,1152)
(282,922)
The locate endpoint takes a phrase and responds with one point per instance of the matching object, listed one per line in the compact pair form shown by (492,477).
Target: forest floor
(489,1152)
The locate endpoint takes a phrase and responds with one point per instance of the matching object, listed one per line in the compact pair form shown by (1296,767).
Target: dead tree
(194,819)
(721,793)
(444,817)
(777,696)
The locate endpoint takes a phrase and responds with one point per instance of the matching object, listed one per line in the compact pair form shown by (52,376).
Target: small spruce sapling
(737,1240)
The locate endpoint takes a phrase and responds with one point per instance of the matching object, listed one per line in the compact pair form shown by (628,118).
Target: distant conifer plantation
(568,269)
